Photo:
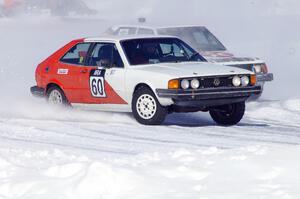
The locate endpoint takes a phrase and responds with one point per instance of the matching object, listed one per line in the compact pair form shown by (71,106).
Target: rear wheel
(56,96)
(146,109)
(228,115)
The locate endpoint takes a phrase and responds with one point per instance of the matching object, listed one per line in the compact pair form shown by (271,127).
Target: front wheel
(146,109)
(228,115)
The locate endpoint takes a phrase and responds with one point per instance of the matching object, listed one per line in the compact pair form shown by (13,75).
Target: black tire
(64,100)
(228,115)
(160,112)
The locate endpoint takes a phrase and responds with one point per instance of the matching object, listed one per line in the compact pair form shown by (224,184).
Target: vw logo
(217,82)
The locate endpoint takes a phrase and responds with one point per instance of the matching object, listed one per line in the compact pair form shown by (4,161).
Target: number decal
(97,83)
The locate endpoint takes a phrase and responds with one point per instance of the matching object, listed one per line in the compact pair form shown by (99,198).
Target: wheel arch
(162,101)
(50,85)
(142,85)
(54,82)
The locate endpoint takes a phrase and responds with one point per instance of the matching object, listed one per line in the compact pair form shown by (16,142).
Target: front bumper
(37,91)
(265,77)
(209,96)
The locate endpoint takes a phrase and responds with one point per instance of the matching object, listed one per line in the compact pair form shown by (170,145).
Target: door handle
(83,71)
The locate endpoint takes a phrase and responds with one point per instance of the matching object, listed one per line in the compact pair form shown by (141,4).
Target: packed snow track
(266,123)
(48,152)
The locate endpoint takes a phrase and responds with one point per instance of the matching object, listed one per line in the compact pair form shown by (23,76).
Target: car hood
(225,57)
(192,69)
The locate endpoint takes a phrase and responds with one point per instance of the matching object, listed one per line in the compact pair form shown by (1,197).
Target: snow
(75,154)
(46,152)
(250,172)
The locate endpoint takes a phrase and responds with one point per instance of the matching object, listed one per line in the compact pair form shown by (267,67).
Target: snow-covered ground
(74,154)
(49,153)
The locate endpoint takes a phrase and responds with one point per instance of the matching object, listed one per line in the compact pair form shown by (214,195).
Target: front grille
(212,82)
(216,81)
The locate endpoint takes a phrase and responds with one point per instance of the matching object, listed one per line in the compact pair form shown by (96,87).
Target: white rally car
(148,76)
(202,40)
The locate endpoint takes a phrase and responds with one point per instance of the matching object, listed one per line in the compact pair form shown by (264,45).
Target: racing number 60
(97,86)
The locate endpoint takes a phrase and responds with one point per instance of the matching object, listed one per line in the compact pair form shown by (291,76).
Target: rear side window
(145,31)
(77,54)
(126,31)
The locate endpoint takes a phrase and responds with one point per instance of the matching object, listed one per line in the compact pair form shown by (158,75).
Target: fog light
(185,84)
(245,81)
(236,81)
(195,83)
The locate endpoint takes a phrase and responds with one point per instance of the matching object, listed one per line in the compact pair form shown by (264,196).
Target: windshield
(158,50)
(198,37)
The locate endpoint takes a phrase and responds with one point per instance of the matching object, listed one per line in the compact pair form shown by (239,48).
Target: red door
(69,77)
(70,71)
(103,85)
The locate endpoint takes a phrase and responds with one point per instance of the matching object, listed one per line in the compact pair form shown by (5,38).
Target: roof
(180,26)
(116,38)
(152,27)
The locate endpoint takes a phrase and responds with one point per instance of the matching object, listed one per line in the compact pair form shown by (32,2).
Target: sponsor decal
(62,71)
(219,54)
(97,83)
(221,57)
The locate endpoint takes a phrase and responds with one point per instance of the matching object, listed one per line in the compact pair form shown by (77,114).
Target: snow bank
(276,112)
(252,172)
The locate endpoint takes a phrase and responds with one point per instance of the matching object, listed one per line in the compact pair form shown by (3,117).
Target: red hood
(223,56)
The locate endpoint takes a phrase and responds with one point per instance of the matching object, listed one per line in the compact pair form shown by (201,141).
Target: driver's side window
(106,55)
